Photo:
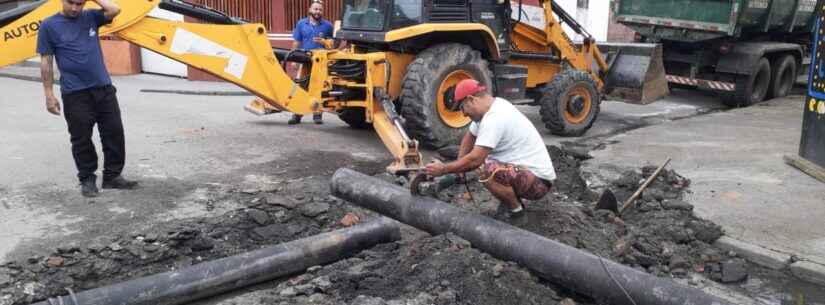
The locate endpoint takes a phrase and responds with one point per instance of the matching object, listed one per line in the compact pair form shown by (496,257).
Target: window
(363,14)
(405,13)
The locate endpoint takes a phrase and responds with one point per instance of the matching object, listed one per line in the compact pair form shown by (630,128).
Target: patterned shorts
(524,182)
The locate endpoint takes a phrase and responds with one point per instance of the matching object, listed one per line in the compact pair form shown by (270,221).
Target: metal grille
(297,9)
(262,11)
(256,11)
(449,11)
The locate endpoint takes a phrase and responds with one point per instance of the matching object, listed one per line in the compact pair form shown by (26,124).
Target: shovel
(607,201)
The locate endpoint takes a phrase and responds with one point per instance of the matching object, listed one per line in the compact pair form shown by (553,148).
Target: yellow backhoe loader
(403,61)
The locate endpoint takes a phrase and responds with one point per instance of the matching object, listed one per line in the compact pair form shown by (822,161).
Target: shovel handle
(629,201)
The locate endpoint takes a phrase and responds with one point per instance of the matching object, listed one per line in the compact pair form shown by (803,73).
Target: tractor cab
(369,21)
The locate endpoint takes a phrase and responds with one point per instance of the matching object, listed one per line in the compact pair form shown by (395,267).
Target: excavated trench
(660,236)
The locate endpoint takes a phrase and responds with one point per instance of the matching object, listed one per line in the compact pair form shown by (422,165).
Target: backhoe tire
(570,103)
(783,76)
(432,72)
(355,118)
(751,88)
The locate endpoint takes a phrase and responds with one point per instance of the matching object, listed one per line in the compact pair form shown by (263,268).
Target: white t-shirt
(513,139)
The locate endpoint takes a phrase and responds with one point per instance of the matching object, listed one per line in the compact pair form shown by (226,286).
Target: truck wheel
(570,103)
(355,118)
(783,76)
(752,88)
(430,77)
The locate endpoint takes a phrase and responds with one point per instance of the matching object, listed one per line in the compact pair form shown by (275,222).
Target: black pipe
(226,274)
(582,272)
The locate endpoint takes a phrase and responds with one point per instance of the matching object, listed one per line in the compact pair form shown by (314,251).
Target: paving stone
(5,279)
(288,292)
(314,209)
(151,237)
(115,247)
(755,254)
(734,270)
(273,199)
(258,216)
(809,272)
(677,205)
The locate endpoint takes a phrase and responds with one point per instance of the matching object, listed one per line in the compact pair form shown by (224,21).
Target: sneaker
(88,188)
(119,183)
(296,118)
(317,119)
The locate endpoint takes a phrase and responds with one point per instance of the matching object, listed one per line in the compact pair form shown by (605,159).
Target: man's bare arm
(468,162)
(47,74)
(467,143)
(110,9)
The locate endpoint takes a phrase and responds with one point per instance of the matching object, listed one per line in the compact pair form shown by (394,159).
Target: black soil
(659,235)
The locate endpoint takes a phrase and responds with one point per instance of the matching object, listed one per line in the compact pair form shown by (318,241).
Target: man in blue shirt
(71,37)
(308,35)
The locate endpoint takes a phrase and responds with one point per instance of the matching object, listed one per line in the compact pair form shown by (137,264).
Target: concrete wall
(592,14)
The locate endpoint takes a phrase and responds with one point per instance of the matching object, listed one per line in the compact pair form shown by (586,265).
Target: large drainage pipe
(230,273)
(582,272)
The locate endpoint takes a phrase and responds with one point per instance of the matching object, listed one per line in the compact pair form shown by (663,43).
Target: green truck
(746,50)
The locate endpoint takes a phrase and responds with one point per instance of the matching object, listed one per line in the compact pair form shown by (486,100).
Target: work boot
(119,183)
(317,119)
(296,119)
(88,188)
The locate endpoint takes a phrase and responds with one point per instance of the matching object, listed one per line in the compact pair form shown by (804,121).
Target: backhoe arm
(580,57)
(240,53)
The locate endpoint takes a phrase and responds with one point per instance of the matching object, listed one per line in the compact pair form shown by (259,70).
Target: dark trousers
(82,110)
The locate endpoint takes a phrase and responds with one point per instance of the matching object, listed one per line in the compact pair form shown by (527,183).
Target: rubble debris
(426,270)
(171,246)
(314,209)
(234,272)
(260,217)
(734,270)
(548,258)
(645,238)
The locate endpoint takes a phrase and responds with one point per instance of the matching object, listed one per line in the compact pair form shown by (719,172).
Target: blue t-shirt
(305,32)
(75,44)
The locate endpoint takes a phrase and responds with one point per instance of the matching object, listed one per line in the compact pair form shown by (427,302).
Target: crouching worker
(503,146)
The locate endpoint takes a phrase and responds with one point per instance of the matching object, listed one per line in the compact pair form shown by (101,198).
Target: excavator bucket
(636,72)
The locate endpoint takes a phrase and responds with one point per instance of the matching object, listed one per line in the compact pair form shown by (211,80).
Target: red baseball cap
(464,89)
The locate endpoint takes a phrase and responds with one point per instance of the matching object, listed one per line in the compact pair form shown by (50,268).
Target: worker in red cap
(503,146)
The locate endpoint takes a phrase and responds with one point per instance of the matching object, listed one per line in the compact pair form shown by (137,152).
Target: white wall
(595,19)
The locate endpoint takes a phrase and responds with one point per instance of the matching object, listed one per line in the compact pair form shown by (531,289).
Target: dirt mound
(659,235)
(272,217)
(431,270)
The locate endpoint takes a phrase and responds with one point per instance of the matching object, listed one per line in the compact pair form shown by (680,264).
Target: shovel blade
(608,201)
(637,73)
